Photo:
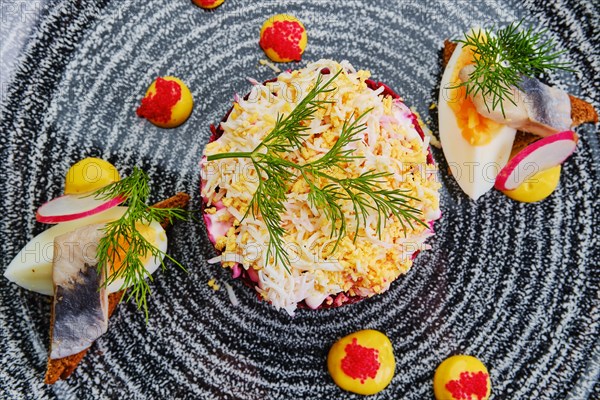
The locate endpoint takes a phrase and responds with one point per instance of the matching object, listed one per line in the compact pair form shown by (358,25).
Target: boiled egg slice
(32,267)
(476,148)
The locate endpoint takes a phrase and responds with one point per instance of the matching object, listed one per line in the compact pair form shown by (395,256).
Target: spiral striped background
(515,284)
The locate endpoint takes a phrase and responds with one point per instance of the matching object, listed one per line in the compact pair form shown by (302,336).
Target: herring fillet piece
(549,108)
(80,300)
(539,109)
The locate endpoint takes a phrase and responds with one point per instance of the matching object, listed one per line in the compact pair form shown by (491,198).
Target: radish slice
(538,156)
(73,206)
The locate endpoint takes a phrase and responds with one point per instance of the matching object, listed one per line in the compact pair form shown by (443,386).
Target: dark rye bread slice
(62,368)
(581,111)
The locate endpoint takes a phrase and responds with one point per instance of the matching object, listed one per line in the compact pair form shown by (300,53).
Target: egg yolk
(362,362)
(462,377)
(536,188)
(475,128)
(168,102)
(118,256)
(283,38)
(90,174)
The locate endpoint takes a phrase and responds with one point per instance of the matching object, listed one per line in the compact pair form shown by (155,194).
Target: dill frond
(503,57)
(121,250)
(275,173)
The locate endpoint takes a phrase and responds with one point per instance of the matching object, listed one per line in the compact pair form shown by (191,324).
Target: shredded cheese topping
(361,266)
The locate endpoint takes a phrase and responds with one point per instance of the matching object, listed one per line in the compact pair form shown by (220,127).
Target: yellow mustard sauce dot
(179,112)
(538,187)
(462,377)
(208,4)
(283,38)
(362,362)
(90,174)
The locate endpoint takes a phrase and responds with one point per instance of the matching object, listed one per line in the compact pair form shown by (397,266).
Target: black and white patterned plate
(515,284)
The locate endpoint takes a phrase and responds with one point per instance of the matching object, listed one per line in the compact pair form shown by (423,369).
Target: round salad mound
(320,274)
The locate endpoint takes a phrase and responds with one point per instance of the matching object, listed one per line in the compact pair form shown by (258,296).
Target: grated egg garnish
(361,266)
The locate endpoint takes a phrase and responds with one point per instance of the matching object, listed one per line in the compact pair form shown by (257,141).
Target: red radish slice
(538,156)
(73,206)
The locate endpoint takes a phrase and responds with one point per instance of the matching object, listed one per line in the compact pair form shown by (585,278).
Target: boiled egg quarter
(32,267)
(475,147)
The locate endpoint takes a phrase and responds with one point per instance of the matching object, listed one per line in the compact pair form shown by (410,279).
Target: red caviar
(158,106)
(360,362)
(469,384)
(284,38)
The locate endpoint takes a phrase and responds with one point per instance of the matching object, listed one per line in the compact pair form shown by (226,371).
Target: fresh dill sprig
(501,59)
(289,132)
(123,248)
(275,174)
(363,191)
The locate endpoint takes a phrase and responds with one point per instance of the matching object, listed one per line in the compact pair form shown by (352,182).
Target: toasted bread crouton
(522,140)
(62,368)
(581,111)
(180,200)
(449,48)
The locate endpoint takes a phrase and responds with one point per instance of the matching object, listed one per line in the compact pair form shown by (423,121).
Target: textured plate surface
(514,284)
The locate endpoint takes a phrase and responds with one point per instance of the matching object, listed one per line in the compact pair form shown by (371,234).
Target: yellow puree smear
(536,188)
(475,128)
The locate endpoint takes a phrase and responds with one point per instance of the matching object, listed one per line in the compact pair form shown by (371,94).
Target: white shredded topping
(232,297)
(214,260)
(390,143)
(269,64)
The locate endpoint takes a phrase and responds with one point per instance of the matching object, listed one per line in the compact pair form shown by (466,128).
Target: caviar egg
(362,362)
(168,102)
(462,377)
(283,38)
(208,4)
